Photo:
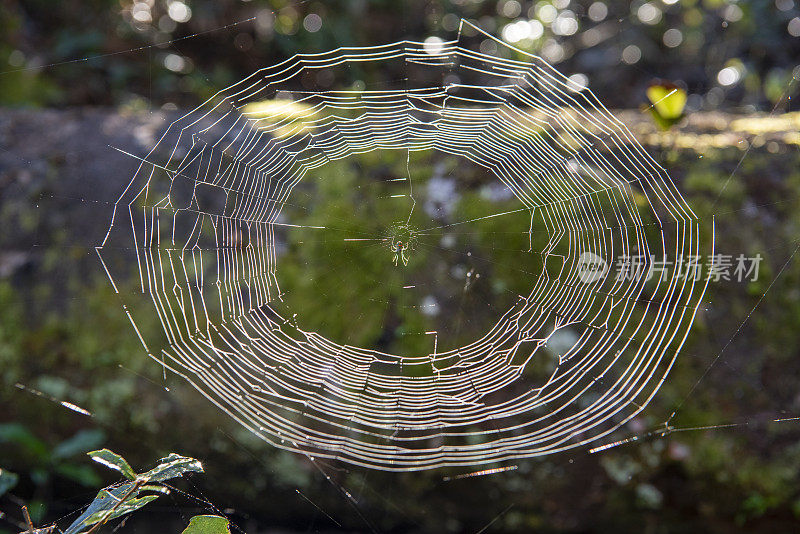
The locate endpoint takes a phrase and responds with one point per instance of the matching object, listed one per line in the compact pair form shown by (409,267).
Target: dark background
(77,76)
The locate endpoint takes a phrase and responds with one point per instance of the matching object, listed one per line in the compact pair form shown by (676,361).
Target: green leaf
(16,433)
(103,502)
(173,466)
(130,505)
(114,461)
(207,524)
(7,481)
(107,506)
(37,509)
(83,441)
(661,122)
(667,99)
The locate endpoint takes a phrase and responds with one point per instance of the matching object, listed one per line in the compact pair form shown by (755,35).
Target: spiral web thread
(203,208)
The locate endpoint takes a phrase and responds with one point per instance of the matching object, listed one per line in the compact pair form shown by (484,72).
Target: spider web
(210,208)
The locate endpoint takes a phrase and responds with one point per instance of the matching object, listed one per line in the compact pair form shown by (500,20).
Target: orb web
(573,357)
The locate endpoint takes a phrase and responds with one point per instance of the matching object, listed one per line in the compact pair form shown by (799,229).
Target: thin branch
(134,488)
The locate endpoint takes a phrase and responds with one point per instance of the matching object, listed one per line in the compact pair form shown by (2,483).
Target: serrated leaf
(7,481)
(173,466)
(668,100)
(207,524)
(130,505)
(107,505)
(113,460)
(103,502)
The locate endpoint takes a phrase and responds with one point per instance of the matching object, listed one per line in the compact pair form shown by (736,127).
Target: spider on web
(399,248)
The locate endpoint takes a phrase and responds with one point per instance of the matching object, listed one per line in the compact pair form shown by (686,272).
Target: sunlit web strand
(202,210)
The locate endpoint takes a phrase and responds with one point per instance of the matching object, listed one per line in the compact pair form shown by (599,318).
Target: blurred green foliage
(7,481)
(44,461)
(63,333)
(105,52)
(356,198)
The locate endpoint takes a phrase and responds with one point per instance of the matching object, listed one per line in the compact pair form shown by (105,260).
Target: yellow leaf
(667,99)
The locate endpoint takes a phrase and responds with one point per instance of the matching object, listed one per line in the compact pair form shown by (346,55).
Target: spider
(399,250)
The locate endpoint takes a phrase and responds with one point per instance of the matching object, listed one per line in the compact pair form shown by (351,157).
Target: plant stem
(27,519)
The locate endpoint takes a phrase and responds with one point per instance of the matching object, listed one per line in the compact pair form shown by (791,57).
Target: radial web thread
(203,209)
